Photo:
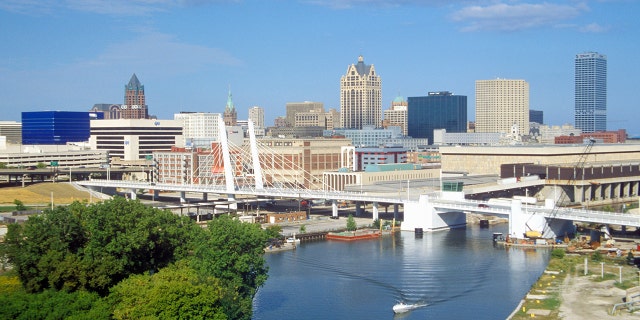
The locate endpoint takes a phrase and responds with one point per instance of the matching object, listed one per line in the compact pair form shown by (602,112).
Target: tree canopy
(124,253)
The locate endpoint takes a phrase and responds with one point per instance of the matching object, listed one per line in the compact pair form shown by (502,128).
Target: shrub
(557,253)
(596,256)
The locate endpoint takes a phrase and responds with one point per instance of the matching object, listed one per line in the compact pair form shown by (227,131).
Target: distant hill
(40,193)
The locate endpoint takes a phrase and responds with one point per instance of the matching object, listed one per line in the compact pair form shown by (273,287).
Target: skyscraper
(591,92)
(501,104)
(256,114)
(134,106)
(438,110)
(360,96)
(230,116)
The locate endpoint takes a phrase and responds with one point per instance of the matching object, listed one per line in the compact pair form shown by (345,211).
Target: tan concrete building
(360,96)
(501,104)
(300,161)
(397,115)
(332,118)
(338,180)
(487,160)
(256,114)
(306,107)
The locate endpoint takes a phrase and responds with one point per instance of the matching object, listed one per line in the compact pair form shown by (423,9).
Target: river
(457,274)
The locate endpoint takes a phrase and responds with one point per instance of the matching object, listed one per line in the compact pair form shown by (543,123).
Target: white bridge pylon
(226,155)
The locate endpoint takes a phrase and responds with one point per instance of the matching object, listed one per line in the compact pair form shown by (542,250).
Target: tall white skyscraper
(501,104)
(591,92)
(360,97)
(256,114)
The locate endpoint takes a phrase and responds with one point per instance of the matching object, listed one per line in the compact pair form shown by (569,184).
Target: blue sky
(71,54)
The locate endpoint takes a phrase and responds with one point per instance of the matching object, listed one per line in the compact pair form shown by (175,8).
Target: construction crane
(579,166)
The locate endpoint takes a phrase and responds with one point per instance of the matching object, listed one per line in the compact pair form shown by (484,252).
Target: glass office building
(438,110)
(591,92)
(55,127)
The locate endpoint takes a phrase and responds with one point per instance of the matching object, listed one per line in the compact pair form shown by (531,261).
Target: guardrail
(463,205)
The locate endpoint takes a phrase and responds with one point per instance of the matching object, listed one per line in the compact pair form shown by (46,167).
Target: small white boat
(293,240)
(402,307)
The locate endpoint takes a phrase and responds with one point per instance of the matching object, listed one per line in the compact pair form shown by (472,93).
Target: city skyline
(71,55)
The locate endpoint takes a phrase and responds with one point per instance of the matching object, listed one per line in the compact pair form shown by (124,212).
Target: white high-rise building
(200,129)
(360,97)
(256,114)
(591,92)
(501,104)
(135,139)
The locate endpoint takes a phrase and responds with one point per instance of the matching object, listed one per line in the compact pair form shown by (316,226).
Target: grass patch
(7,208)
(551,303)
(40,194)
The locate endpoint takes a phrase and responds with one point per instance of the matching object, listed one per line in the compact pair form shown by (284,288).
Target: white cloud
(593,28)
(511,17)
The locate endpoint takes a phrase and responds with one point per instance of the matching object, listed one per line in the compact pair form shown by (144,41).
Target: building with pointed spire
(134,106)
(360,97)
(230,115)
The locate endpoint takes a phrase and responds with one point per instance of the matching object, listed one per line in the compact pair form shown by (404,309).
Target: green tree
(303,229)
(19,205)
(351,223)
(3,165)
(232,251)
(41,165)
(175,292)
(274,231)
(94,247)
(52,304)
(42,249)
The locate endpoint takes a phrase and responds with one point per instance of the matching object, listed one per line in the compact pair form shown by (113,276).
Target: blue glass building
(536,116)
(55,127)
(438,110)
(591,92)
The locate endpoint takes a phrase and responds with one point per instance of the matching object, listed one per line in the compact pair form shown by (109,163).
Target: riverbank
(580,286)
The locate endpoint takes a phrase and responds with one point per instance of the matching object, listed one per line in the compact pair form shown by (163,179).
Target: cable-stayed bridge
(232,170)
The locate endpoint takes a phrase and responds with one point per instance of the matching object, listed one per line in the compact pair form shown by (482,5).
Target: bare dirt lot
(584,298)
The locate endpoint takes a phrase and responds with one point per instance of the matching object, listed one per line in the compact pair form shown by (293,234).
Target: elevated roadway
(439,204)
